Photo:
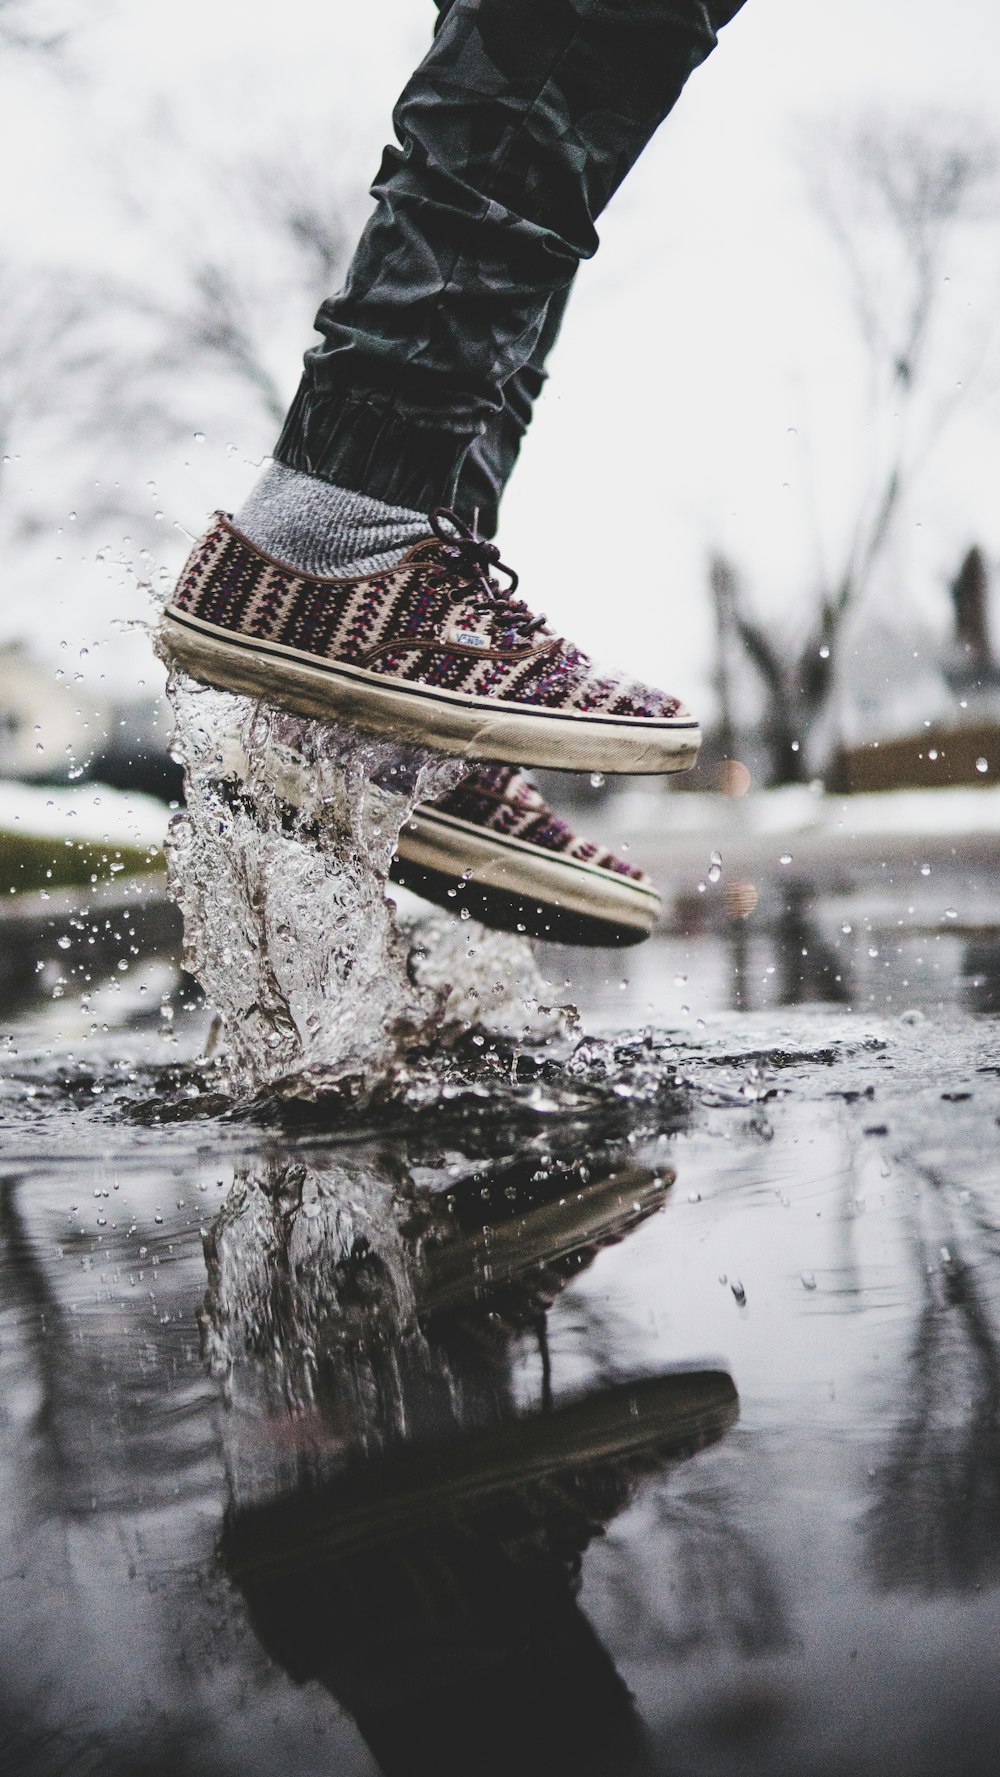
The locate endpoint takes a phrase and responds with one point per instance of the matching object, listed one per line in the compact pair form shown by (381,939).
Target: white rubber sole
(490,731)
(443,843)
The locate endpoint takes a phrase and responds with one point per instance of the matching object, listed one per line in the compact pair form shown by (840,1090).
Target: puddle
(633,1408)
(411,1377)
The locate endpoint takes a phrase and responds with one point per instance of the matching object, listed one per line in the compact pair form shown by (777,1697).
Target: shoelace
(474,557)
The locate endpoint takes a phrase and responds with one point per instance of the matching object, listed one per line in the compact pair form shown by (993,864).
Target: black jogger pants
(512,135)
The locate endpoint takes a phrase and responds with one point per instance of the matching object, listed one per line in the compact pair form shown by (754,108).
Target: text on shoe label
(467,638)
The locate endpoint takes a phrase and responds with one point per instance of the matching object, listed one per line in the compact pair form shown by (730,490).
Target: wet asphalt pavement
(630,1406)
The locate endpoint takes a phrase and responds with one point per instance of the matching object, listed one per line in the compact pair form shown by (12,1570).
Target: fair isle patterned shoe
(493,848)
(433,651)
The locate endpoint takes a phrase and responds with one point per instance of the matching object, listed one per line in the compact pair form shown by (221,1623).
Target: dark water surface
(628,1407)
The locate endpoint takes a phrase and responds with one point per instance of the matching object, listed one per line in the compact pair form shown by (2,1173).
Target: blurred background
(763,473)
(770,430)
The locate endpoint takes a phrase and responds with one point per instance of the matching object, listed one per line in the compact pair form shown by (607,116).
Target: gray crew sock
(322,529)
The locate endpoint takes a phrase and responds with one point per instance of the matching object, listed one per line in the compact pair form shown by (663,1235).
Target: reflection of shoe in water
(419,1560)
(513,1244)
(432,651)
(433,1591)
(630,1428)
(495,847)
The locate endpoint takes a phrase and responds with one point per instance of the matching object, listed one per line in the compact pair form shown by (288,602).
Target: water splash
(279,865)
(310,1319)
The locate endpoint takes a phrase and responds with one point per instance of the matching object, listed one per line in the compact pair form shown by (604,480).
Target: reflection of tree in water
(709,1583)
(77,1443)
(416,1549)
(981,972)
(29,1299)
(808,968)
(935,1524)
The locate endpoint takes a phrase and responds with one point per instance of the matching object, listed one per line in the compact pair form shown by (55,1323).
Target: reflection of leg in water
(416,1551)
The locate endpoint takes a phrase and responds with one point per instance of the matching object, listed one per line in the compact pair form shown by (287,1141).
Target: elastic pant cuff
(357,442)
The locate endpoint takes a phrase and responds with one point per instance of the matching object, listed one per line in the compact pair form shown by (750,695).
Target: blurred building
(950,699)
(40,732)
(47,734)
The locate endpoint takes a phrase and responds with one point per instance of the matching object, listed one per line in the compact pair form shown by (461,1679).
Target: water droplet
(950,913)
(808,1280)
(785,858)
(64,943)
(982,765)
(847,927)
(739,1292)
(715,867)
(925,869)
(824,652)
(199,437)
(597,779)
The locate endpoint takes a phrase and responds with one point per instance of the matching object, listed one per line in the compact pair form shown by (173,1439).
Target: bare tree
(45,347)
(970,596)
(897,199)
(99,372)
(43,26)
(26,25)
(252,252)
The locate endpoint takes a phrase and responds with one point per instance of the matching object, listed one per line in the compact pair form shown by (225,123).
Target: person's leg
(491,458)
(514,133)
(490,462)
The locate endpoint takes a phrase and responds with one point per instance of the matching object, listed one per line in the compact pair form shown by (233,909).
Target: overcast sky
(703,393)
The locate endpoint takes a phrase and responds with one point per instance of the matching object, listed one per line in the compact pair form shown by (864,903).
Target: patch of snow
(796,808)
(87,811)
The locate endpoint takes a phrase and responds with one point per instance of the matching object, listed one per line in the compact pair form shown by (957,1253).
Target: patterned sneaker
(433,651)
(494,848)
